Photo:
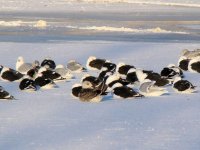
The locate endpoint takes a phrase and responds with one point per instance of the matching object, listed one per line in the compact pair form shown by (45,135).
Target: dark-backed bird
(27,85)
(90,94)
(120,91)
(194,65)
(48,63)
(8,74)
(5,95)
(122,69)
(94,63)
(183,86)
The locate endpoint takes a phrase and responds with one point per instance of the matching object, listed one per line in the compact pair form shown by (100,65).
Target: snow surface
(52,119)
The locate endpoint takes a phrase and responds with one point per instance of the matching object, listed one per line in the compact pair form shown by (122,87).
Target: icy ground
(53,120)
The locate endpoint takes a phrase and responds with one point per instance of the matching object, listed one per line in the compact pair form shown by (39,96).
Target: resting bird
(89,94)
(147,88)
(120,91)
(183,86)
(94,63)
(74,66)
(48,63)
(8,74)
(5,95)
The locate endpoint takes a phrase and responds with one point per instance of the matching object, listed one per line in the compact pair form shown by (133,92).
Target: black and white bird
(132,76)
(28,85)
(194,65)
(120,91)
(75,67)
(113,79)
(90,94)
(23,67)
(53,75)
(148,88)
(122,69)
(44,83)
(183,86)
(8,74)
(152,76)
(5,95)
(107,69)
(95,82)
(94,63)
(48,63)
(171,71)
(183,63)
(76,89)
(64,72)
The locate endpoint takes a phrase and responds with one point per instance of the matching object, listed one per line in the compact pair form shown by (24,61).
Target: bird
(76,88)
(8,74)
(171,71)
(95,82)
(107,70)
(90,94)
(23,67)
(27,85)
(132,76)
(152,76)
(194,65)
(5,95)
(183,86)
(121,91)
(148,88)
(94,63)
(190,54)
(44,83)
(183,63)
(113,79)
(75,67)
(122,69)
(47,73)
(64,72)
(48,63)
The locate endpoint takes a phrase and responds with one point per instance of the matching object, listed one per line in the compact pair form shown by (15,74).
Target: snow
(53,119)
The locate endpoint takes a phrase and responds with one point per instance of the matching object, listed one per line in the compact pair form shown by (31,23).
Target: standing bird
(75,67)
(89,93)
(94,63)
(48,63)
(183,86)
(27,85)
(5,95)
(120,91)
(23,67)
(194,65)
(148,88)
(8,74)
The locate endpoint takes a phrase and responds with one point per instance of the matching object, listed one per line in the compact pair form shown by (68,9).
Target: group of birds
(33,76)
(126,81)
(118,80)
